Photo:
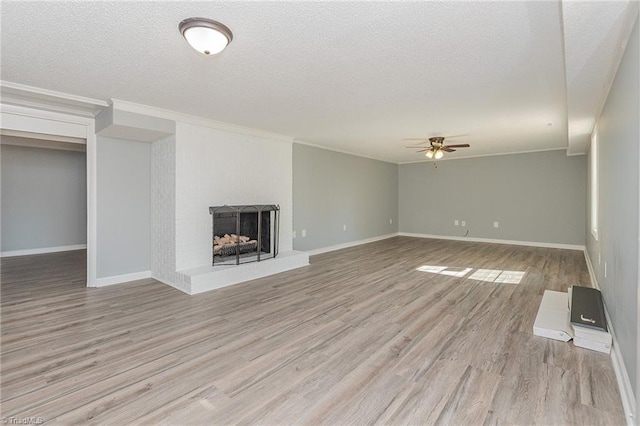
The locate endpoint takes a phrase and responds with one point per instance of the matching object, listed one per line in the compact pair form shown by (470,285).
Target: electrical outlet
(390,221)
(456,222)
(605,269)
(304,233)
(496,225)
(344,227)
(463,223)
(294,234)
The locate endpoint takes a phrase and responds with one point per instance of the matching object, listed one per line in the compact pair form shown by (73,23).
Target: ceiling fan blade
(423,150)
(446,148)
(456,136)
(462,145)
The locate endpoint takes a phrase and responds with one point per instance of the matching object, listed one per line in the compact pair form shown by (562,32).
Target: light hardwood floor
(358,337)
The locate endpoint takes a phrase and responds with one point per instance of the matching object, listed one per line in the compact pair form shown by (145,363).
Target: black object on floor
(587,308)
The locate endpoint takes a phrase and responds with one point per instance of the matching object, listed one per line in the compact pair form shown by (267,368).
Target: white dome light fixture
(205,35)
(439,154)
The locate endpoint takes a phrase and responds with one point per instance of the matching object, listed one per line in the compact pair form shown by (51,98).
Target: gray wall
(618,155)
(536,197)
(44,198)
(123,179)
(331,189)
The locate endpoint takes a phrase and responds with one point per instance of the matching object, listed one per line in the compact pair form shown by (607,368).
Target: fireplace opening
(242,234)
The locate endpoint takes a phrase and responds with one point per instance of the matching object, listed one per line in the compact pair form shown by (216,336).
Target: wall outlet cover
(304,233)
(456,222)
(496,225)
(463,223)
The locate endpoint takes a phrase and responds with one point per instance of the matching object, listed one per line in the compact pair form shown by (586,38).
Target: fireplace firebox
(243,234)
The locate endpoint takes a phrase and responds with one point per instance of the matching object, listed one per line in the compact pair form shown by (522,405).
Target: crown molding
(326,148)
(197,120)
(489,155)
(49,100)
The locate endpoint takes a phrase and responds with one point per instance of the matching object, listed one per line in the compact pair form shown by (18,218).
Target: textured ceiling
(594,38)
(354,76)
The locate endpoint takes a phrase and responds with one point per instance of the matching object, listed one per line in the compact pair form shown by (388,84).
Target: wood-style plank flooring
(358,337)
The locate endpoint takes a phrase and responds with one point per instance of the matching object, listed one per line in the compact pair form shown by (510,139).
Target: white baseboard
(495,241)
(44,250)
(119,279)
(351,244)
(622,376)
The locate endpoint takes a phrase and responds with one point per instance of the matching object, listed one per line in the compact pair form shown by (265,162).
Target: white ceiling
(358,77)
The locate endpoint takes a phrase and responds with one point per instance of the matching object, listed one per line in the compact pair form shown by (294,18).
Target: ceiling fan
(438,148)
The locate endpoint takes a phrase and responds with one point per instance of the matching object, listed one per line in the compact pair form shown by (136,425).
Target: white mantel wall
(217,167)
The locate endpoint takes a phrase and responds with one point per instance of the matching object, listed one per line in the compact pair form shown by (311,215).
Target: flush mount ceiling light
(205,35)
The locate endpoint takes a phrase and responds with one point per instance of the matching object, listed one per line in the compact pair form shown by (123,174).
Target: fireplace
(242,234)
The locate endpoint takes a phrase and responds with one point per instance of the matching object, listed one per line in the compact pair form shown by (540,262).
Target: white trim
(622,376)
(39,136)
(198,121)
(12,87)
(29,252)
(92,205)
(44,99)
(495,241)
(119,279)
(445,158)
(46,122)
(594,182)
(351,244)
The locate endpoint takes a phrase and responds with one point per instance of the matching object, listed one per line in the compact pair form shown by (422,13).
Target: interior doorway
(43,192)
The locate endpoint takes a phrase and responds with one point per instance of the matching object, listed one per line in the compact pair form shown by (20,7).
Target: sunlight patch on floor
(445,270)
(485,275)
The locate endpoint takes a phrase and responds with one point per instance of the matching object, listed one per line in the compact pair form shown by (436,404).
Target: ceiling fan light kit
(437,148)
(205,35)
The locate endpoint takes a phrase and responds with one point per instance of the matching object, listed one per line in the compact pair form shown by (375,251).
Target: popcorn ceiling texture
(383,72)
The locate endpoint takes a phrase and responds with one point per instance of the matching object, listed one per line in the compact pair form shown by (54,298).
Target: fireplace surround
(244,233)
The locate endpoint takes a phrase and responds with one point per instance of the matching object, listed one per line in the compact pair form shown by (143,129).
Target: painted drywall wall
(332,189)
(535,197)
(217,167)
(44,198)
(123,199)
(618,154)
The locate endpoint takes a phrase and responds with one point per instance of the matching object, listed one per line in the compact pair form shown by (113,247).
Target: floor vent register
(577,315)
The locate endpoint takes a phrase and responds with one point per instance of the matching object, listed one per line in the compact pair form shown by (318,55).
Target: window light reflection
(484,275)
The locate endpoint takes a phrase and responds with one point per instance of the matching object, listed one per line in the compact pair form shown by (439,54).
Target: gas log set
(227,244)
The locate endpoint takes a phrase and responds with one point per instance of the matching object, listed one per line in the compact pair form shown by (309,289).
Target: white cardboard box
(592,344)
(552,320)
(589,334)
